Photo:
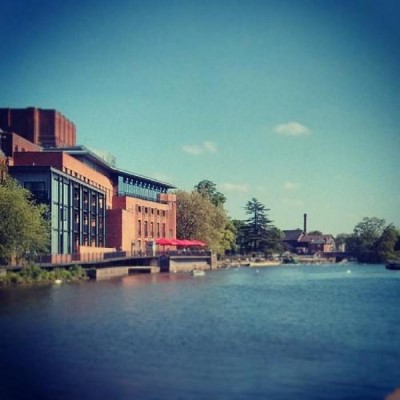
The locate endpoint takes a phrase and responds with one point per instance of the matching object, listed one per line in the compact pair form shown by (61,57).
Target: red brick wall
(42,127)
(145,211)
(120,229)
(70,165)
(12,142)
(22,121)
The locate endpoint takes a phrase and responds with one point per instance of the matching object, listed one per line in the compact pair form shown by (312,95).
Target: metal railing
(42,259)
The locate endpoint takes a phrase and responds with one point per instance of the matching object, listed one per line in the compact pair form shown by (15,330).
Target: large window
(142,189)
(77,215)
(38,189)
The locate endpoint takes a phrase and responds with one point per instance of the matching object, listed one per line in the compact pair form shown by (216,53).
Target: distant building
(300,242)
(291,239)
(317,243)
(94,206)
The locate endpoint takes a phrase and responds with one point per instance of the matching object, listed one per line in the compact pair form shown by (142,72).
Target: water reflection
(289,332)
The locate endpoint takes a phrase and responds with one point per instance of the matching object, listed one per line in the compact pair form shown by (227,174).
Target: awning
(165,242)
(180,242)
(184,242)
(198,243)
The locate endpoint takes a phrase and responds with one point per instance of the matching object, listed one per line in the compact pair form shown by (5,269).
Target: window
(146,232)
(63,213)
(139,227)
(38,189)
(151,229)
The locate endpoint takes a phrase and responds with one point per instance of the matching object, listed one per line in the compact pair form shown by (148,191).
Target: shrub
(61,273)
(78,272)
(31,273)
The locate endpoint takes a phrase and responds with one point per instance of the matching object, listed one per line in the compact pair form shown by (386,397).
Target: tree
(314,233)
(373,241)
(229,237)
(275,240)
(369,230)
(341,239)
(23,226)
(255,231)
(209,189)
(198,218)
(386,244)
(240,238)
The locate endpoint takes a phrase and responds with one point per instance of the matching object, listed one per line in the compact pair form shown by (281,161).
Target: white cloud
(290,186)
(235,187)
(197,149)
(292,129)
(211,147)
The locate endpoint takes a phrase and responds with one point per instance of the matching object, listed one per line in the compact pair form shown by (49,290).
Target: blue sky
(295,103)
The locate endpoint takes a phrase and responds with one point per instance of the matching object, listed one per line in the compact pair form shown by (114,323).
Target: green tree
(275,240)
(314,233)
(255,231)
(386,244)
(341,239)
(372,241)
(229,237)
(23,226)
(240,235)
(209,189)
(369,230)
(198,218)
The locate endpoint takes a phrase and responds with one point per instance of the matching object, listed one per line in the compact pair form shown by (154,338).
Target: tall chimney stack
(305,224)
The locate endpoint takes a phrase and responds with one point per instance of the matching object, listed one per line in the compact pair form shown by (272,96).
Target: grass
(35,274)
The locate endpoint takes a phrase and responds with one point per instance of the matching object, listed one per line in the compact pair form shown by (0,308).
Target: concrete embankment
(116,272)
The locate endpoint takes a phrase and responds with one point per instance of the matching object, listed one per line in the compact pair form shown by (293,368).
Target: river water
(288,332)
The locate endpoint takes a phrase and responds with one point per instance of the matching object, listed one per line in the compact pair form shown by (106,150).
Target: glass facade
(139,188)
(77,210)
(77,213)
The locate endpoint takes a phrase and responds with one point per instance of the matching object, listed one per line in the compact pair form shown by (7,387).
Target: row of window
(78,215)
(159,233)
(147,210)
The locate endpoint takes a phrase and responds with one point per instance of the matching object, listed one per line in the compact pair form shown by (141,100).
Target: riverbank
(35,274)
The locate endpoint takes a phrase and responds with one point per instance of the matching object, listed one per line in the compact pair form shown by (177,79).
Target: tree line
(201,214)
(25,227)
(372,241)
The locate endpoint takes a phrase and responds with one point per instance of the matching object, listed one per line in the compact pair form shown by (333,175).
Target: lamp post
(2,136)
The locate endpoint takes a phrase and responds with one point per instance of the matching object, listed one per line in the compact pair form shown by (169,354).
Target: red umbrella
(185,242)
(198,243)
(165,242)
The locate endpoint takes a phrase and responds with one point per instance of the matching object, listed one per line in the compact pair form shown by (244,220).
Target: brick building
(93,205)
(46,128)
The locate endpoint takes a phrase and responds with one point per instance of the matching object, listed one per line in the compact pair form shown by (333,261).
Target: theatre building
(93,205)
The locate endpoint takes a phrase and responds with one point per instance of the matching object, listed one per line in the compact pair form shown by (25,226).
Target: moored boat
(198,272)
(266,263)
(393,264)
